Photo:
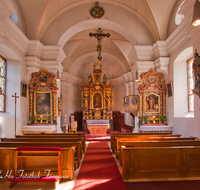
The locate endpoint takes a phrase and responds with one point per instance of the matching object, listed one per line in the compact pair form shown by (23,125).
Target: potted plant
(140,123)
(163,118)
(32,119)
(151,120)
(49,119)
(145,118)
(55,121)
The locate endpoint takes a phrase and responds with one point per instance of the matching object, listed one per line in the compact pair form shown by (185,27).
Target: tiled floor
(68,185)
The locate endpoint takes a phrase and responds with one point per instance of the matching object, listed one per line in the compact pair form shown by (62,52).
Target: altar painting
(43,105)
(152,103)
(97,100)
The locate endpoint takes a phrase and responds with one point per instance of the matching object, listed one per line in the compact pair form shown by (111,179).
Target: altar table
(41,128)
(155,128)
(98,129)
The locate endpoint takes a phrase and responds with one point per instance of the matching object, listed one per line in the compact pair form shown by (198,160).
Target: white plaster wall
(180,88)
(71,100)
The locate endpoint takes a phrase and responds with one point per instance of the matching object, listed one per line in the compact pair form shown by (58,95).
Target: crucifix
(15,96)
(99,35)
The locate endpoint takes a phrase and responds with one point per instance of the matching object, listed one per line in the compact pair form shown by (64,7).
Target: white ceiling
(68,23)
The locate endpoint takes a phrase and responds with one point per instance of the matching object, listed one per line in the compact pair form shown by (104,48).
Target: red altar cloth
(98,129)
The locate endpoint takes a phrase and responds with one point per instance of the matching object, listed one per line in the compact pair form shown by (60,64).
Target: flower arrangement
(157,120)
(151,120)
(38,120)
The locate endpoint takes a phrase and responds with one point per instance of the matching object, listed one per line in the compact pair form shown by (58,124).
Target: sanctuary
(97,99)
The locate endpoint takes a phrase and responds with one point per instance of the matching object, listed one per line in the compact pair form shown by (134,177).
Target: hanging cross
(99,35)
(15,96)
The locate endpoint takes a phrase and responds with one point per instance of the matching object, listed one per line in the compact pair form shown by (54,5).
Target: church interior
(99,94)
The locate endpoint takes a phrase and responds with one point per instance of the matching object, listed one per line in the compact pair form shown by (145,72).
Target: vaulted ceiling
(68,23)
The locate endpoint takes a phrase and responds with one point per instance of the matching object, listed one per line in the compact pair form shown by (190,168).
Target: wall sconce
(196,14)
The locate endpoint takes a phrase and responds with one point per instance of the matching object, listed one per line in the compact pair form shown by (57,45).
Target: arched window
(179,17)
(190,81)
(2,83)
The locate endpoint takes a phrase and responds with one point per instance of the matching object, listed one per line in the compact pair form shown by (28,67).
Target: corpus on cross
(99,35)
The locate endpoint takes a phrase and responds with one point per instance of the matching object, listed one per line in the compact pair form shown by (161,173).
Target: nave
(100,169)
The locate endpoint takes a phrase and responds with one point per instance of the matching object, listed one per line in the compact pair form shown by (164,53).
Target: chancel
(107,94)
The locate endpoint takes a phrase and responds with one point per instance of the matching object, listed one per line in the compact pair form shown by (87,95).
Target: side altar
(43,103)
(97,99)
(152,102)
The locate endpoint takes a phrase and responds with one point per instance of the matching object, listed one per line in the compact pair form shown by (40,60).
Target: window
(190,85)
(179,17)
(2,83)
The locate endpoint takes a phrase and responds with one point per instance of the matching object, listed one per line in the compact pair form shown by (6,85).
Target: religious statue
(108,101)
(104,79)
(86,101)
(196,71)
(99,35)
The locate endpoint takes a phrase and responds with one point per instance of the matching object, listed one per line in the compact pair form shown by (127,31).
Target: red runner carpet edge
(99,170)
(164,185)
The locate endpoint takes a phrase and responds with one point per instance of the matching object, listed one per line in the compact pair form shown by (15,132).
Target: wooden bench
(47,144)
(80,139)
(130,128)
(57,135)
(130,135)
(37,164)
(166,143)
(8,157)
(147,138)
(156,162)
(125,130)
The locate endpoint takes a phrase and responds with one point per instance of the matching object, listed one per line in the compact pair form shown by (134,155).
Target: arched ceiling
(68,23)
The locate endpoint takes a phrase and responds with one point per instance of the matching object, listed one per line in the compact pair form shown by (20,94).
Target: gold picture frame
(169,88)
(24,88)
(152,103)
(43,103)
(97,100)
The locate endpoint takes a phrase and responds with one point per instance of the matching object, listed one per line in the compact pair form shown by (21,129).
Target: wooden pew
(57,135)
(8,157)
(148,162)
(147,138)
(46,144)
(129,135)
(166,143)
(46,140)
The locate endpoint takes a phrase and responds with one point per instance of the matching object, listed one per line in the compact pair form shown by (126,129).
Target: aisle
(99,170)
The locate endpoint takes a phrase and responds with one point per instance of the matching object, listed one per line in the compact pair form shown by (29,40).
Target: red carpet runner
(99,170)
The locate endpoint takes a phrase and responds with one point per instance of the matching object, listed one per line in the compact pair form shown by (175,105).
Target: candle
(65,118)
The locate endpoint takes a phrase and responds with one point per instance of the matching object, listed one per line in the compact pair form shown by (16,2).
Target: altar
(97,101)
(156,128)
(38,128)
(98,129)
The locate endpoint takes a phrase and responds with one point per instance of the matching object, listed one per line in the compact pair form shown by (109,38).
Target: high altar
(97,100)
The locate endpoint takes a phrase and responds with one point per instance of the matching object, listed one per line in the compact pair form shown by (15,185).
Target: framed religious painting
(97,101)
(42,103)
(169,89)
(24,89)
(152,103)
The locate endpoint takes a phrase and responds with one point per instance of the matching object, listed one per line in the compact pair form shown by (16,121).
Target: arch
(68,29)
(180,83)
